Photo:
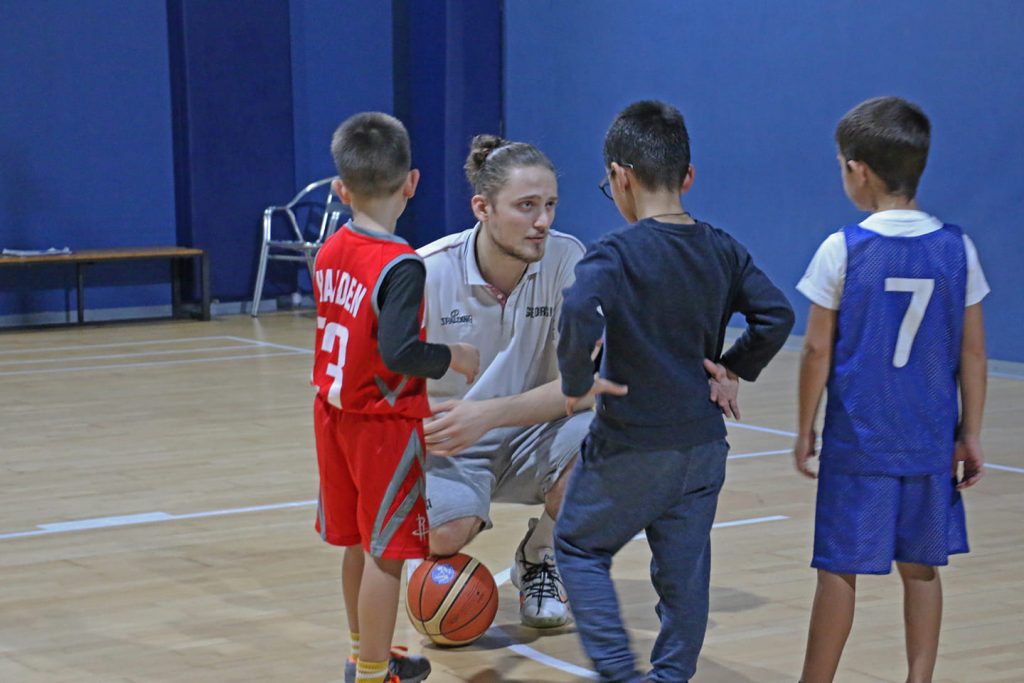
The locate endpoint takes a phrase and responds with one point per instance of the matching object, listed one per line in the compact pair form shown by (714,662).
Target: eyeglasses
(605,184)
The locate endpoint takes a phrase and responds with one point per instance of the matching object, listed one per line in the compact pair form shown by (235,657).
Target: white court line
(1004,375)
(758,454)
(273,345)
(503,577)
(745,522)
(102,522)
(524,651)
(1005,468)
(115,344)
(149,517)
(86,368)
(736,522)
(254,508)
(741,425)
(553,662)
(145,518)
(140,354)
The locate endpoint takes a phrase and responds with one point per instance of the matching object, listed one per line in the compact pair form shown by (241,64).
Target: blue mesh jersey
(892,391)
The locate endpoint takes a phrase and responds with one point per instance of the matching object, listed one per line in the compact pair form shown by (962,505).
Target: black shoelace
(546,586)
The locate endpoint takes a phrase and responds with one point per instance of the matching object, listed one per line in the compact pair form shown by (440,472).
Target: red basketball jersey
(348,370)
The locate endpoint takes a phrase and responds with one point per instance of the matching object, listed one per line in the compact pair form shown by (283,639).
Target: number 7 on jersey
(920,293)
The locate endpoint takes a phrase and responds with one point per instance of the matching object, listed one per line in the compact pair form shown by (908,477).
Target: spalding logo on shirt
(456,318)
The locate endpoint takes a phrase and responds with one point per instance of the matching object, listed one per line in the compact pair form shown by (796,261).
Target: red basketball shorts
(371,482)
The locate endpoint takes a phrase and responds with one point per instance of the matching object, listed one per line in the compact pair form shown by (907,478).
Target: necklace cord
(661,215)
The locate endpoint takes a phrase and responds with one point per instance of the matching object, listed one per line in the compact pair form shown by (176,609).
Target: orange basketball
(452,600)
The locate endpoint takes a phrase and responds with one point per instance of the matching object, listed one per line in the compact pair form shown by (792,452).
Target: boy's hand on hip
(803,451)
(968,452)
(456,426)
(725,388)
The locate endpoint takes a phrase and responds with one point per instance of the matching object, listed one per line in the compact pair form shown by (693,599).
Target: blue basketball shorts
(864,522)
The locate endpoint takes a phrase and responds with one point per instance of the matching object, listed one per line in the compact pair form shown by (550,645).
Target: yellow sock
(371,672)
(353,643)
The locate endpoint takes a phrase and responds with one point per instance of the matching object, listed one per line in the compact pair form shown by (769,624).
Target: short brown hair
(891,136)
(372,153)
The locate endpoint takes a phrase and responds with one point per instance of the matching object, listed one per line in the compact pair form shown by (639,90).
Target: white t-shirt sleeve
(977,285)
(823,281)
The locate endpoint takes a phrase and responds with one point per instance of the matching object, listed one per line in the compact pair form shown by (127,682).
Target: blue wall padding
(85,140)
(341,56)
(448,88)
(234,142)
(89,156)
(762,87)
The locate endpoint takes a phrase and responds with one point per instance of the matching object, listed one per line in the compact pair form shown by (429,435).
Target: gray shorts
(508,466)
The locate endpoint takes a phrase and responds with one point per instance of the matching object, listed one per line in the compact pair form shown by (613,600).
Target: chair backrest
(335,213)
(316,212)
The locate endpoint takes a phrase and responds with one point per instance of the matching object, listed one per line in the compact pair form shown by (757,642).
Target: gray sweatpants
(511,465)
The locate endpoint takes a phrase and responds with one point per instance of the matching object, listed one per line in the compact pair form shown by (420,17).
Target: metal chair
(303,244)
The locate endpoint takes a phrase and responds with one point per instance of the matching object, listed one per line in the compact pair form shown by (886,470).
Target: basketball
(452,600)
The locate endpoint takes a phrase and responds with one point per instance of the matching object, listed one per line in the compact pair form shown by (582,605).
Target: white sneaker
(542,599)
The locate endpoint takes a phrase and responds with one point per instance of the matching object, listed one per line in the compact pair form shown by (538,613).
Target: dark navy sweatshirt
(662,295)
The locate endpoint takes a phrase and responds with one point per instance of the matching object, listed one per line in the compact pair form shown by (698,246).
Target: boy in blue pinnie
(661,291)
(895,328)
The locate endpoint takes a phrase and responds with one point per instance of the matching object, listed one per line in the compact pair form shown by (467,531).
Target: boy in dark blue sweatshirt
(661,292)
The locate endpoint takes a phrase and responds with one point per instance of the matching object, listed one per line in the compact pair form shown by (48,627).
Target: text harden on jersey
(341,288)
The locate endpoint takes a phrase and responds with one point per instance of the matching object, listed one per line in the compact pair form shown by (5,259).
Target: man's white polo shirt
(517,335)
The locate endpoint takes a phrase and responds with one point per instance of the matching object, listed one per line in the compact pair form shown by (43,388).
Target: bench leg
(205,266)
(80,288)
(175,287)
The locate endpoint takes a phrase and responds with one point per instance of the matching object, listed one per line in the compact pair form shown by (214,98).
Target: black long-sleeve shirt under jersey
(398,326)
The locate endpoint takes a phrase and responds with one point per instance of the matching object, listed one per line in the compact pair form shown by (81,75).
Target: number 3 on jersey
(334,333)
(920,293)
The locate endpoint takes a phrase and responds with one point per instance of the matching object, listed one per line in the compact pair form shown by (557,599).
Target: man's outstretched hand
(600,386)
(456,425)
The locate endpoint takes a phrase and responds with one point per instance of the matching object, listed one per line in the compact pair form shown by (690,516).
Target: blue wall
(121,106)
(85,141)
(341,56)
(448,88)
(231,86)
(88,159)
(341,64)
(762,86)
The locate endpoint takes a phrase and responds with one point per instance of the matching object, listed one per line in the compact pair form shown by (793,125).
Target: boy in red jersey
(369,368)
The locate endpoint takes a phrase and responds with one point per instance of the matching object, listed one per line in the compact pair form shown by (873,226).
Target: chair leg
(311,264)
(260,273)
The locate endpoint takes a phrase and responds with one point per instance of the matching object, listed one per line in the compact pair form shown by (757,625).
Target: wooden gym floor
(157,488)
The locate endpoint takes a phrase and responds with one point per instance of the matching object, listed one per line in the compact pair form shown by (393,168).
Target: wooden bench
(81,259)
